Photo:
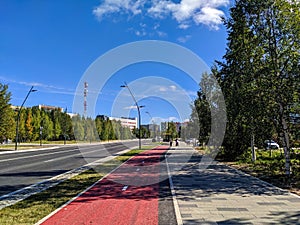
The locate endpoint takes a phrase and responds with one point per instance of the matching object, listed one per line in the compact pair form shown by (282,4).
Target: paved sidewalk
(223,195)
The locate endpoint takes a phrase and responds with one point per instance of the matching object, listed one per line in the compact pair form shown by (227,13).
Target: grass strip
(270,167)
(34,208)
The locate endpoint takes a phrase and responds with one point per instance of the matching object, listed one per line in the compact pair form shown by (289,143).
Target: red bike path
(128,195)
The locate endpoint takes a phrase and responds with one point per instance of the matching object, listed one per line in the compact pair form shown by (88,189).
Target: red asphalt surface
(129,195)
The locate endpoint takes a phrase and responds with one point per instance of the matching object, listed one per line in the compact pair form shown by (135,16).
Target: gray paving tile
(188,205)
(223,195)
(232,209)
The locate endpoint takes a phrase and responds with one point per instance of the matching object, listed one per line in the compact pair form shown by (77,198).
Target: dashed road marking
(124,188)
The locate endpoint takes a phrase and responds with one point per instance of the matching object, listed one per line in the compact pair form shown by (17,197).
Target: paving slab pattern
(223,195)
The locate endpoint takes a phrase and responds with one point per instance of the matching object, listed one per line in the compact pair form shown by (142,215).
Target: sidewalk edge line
(175,202)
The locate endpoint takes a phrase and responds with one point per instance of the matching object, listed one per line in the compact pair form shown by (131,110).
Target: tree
(36,123)
(78,128)
(47,125)
(260,72)
(282,57)
(28,125)
(171,130)
(56,118)
(22,129)
(202,108)
(7,123)
(117,129)
(99,126)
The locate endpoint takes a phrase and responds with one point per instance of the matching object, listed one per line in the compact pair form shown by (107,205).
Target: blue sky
(50,44)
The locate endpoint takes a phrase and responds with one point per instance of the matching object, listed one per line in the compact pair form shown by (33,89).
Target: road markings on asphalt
(124,188)
(56,152)
(37,155)
(70,156)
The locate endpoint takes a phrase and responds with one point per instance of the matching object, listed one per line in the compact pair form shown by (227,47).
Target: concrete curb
(176,206)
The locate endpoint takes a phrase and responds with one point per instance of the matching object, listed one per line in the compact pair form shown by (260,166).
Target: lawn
(270,166)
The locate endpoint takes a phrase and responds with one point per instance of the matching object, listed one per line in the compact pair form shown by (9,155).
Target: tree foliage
(259,74)
(7,122)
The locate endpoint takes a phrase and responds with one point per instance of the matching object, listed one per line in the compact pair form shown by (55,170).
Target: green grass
(271,168)
(36,207)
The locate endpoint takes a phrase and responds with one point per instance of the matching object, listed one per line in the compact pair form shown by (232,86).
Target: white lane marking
(49,153)
(69,156)
(124,188)
(32,156)
(137,169)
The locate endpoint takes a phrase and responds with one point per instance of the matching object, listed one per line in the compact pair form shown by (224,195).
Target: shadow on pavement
(220,179)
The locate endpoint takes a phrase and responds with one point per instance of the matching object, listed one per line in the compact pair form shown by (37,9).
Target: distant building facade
(50,108)
(126,122)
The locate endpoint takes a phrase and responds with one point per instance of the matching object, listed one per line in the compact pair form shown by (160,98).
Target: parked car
(270,144)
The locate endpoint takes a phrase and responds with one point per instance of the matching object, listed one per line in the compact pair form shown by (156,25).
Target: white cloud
(162,34)
(159,120)
(172,118)
(183,26)
(163,89)
(116,6)
(170,88)
(184,39)
(185,12)
(131,107)
(41,87)
(173,87)
(210,17)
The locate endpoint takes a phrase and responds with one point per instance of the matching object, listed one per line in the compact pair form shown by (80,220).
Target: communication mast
(85,95)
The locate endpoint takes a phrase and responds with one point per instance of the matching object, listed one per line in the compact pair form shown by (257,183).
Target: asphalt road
(21,169)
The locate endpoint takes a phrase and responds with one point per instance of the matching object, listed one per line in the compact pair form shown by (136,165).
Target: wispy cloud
(185,12)
(169,119)
(184,39)
(44,87)
(131,107)
(142,30)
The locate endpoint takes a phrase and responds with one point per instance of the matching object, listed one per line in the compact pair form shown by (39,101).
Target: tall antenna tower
(85,95)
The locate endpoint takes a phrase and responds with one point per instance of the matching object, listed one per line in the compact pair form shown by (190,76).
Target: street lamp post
(139,113)
(18,117)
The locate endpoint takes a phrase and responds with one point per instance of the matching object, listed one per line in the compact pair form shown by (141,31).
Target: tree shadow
(220,179)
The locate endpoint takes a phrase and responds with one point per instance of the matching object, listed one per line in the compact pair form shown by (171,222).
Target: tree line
(53,125)
(259,76)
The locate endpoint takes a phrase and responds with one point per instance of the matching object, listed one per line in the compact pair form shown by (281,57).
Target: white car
(270,144)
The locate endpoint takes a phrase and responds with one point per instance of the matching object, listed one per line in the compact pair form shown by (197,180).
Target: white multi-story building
(126,122)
